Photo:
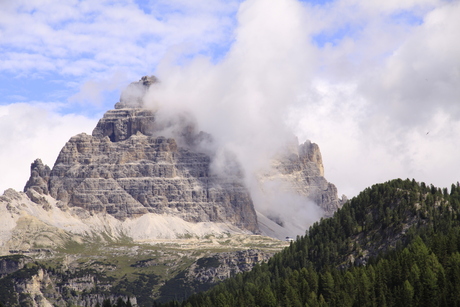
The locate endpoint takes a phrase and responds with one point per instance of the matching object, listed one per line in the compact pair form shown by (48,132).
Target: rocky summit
(138,211)
(126,173)
(127,169)
(302,173)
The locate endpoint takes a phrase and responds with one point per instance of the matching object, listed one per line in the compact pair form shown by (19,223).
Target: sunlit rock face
(125,171)
(147,174)
(120,124)
(39,177)
(128,168)
(302,172)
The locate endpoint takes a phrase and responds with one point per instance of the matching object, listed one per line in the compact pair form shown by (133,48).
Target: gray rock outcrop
(212,269)
(125,171)
(10,265)
(39,177)
(302,172)
(221,266)
(128,168)
(144,174)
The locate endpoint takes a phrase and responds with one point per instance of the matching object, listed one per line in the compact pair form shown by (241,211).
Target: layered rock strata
(220,266)
(127,168)
(125,172)
(146,174)
(301,172)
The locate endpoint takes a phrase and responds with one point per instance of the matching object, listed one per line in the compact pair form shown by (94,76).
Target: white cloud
(388,83)
(105,33)
(243,99)
(92,91)
(364,98)
(391,6)
(385,74)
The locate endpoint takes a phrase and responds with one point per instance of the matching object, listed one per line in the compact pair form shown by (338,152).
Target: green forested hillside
(395,244)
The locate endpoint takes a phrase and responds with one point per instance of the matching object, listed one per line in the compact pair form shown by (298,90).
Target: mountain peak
(132,96)
(135,164)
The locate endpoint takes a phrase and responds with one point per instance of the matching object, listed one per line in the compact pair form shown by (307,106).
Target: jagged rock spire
(39,177)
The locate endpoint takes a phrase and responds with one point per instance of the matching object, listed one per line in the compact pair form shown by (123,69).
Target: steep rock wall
(302,172)
(126,173)
(126,168)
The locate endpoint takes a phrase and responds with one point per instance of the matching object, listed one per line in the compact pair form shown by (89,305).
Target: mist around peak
(244,102)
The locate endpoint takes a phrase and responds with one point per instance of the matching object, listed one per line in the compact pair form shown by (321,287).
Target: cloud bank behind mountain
(374,84)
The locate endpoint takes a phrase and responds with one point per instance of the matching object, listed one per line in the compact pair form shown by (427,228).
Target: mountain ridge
(404,241)
(153,199)
(128,168)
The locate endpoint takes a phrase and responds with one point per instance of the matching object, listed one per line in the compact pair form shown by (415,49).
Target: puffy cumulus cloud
(91,42)
(381,88)
(92,91)
(423,71)
(243,100)
(366,80)
(365,83)
(31,131)
(80,37)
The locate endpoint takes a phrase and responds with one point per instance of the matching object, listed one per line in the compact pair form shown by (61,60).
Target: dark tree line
(119,303)
(395,244)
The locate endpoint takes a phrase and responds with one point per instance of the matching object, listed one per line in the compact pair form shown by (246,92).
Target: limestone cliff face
(123,170)
(301,171)
(39,177)
(126,168)
(312,181)
(120,124)
(144,174)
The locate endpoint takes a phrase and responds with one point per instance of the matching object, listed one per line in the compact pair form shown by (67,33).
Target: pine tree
(328,287)
(120,303)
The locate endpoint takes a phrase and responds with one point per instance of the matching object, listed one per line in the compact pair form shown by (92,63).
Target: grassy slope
(124,267)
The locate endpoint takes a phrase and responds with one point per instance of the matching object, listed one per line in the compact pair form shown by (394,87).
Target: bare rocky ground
(87,272)
(58,256)
(128,213)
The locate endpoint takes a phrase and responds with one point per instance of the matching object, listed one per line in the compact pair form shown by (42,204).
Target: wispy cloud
(80,35)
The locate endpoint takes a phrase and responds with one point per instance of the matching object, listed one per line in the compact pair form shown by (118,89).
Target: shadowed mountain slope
(395,244)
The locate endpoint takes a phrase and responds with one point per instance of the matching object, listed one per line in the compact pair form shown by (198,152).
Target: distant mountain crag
(126,169)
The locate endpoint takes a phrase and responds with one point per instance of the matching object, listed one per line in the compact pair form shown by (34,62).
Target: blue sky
(36,63)
(371,78)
